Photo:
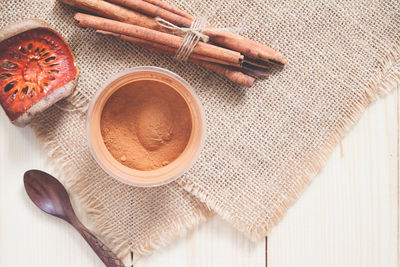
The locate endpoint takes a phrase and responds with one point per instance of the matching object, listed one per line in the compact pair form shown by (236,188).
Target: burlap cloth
(263,145)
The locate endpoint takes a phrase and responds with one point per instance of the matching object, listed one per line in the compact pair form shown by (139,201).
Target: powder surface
(146,125)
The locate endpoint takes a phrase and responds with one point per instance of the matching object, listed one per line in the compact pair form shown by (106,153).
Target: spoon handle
(104,253)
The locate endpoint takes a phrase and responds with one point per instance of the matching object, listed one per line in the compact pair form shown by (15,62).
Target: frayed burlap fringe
(384,81)
(89,210)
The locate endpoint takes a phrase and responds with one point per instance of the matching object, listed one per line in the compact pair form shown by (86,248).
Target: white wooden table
(348,217)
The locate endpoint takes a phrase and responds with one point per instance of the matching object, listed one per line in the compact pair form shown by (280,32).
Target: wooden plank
(43,240)
(29,237)
(349,216)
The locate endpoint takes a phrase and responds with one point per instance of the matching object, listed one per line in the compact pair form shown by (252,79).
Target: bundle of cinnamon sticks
(239,59)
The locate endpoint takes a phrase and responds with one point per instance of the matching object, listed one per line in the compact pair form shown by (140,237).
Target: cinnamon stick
(155,11)
(112,11)
(232,41)
(170,8)
(235,76)
(166,49)
(254,71)
(230,73)
(229,57)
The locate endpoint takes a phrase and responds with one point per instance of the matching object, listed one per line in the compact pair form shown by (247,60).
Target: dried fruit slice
(37,69)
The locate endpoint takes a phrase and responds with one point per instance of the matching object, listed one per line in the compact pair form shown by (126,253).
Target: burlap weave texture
(263,145)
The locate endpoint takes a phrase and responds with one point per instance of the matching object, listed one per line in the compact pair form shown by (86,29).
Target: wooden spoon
(50,196)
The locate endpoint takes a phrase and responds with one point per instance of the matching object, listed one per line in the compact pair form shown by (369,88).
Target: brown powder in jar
(146,124)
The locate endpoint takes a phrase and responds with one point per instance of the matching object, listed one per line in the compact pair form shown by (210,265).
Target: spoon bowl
(51,196)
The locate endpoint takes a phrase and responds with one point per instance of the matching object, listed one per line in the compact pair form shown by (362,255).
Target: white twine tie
(192,35)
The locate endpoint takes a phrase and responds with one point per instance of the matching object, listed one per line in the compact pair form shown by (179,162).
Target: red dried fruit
(37,69)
